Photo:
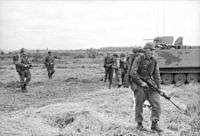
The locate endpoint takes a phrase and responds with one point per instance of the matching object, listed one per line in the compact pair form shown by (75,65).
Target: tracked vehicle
(178,63)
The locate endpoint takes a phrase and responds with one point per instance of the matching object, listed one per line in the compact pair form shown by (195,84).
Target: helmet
(22,50)
(149,45)
(122,55)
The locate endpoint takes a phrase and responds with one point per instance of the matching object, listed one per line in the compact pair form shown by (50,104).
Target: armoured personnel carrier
(178,63)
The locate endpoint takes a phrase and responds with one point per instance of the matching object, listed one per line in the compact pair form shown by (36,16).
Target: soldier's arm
(45,60)
(156,74)
(130,60)
(134,69)
(104,62)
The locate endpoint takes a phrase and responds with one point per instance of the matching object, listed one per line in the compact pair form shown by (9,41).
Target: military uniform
(130,59)
(145,66)
(117,70)
(108,62)
(15,61)
(23,65)
(49,64)
(123,67)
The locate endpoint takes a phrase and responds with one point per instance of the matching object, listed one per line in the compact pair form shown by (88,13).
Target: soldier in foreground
(49,64)
(22,67)
(108,62)
(144,67)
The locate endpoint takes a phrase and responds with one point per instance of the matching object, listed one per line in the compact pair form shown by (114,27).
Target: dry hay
(190,124)
(12,84)
(1,84)
(102,113)
(61,119)
(75,80)
(71,79)
(37,83)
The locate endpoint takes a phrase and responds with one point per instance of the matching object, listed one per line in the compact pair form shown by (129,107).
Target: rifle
(151,84)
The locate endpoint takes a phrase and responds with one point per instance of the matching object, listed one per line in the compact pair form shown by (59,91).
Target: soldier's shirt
(123,65)
(145,67)
(108,61)
(116,63)
(49,60)
(24,59)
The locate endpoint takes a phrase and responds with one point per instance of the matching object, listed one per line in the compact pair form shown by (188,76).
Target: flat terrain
(76,103)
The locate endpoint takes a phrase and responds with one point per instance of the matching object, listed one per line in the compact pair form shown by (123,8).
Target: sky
(95,24)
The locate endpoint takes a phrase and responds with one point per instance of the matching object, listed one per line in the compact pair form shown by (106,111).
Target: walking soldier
(23,65)
(49,64)
(108,62)
(145,67)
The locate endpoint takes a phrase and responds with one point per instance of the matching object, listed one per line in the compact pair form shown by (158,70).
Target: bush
(79,56)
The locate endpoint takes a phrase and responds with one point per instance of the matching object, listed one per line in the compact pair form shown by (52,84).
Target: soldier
(144,67)
(117,70)
(22,67)
(123,66)
(49,64)
(108,62)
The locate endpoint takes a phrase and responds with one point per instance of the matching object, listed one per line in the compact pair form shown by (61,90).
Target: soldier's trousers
(118,77)
(108,75)
(123,73)
(153,97)
(25,77)
(50,71)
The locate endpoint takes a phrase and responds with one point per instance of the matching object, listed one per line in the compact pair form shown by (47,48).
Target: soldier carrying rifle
(23,65)
(145,67)
(49,64)
(108,62)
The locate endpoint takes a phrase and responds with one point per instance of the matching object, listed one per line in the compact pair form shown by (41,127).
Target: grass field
(76,103)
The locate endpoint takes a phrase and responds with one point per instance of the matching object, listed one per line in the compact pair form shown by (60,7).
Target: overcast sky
(95,24)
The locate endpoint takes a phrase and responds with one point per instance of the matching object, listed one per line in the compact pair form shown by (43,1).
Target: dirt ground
(76,103)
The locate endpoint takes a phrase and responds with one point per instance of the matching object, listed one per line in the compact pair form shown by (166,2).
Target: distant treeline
(38,55)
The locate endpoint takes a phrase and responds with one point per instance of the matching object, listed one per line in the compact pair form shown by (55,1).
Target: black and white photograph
(99,68)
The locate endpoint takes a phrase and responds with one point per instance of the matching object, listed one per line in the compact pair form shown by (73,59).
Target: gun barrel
(153,86)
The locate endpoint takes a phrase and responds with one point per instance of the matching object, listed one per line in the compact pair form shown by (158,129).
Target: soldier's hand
(144,84)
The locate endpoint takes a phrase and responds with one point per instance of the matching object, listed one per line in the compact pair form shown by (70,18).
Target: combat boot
(155,127)
(49,75)
(22,88)
(119,86)
(141,127)
(25,89)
